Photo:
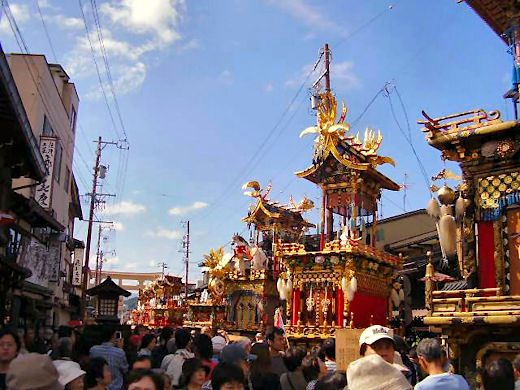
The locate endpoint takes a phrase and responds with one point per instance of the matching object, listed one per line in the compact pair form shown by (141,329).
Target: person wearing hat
(430,354)
(377,340)
(219,342)
(33,371)
(372,372)
(193,374)
(70,375)
(237,355)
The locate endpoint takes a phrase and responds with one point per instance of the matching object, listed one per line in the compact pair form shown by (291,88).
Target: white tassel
(448,235)
(433,208)
(460,208)
(353,284)
(401,295)
(344,283)
(288,287)
(283,290)
(446,210)
(394,297)
(350,293)
(279,285)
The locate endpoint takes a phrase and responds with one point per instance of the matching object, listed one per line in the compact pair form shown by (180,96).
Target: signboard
(54,261)
(43,193)
(77,267)
(347,347)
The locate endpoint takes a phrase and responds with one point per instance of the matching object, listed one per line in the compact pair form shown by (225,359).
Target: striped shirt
(116,360)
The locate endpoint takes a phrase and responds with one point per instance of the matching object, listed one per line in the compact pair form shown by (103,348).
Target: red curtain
(368,310)
(486,255)
(296,306)
(339,307)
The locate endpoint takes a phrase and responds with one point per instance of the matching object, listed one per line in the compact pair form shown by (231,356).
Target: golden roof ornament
(330,133)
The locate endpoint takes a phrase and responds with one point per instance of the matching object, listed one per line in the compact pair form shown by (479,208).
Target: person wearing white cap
(70,374)
(372,372)
(377,340)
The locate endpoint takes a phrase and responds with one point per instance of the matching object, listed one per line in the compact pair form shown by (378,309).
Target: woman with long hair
(98,375)
(261,376)
(294,379)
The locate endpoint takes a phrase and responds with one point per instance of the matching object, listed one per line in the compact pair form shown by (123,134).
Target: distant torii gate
(121,277)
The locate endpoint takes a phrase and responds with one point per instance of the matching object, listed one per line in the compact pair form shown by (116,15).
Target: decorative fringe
(433,208)
(446,210)
(350,293)
(460,208)
(448,235)
(495,213)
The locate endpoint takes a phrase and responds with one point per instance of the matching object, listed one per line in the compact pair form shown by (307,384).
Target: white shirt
(174,369)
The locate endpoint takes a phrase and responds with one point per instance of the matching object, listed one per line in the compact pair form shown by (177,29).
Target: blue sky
(200,85)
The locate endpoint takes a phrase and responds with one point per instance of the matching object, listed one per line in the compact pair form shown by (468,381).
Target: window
(73,120)
(47,128)
(66,183)
(57,161)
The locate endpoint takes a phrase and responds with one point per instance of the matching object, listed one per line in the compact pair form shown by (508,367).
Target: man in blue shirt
(114,356)
(430,354)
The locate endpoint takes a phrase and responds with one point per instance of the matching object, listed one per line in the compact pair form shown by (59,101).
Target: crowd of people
(211,360)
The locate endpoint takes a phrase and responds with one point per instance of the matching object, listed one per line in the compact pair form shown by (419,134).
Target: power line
(107,65)
(93,53)
(360,28)
(46,32)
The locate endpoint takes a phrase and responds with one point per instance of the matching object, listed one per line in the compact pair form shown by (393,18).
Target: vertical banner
(43,193)
(77,267)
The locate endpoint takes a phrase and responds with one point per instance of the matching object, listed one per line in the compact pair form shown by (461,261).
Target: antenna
(405,186)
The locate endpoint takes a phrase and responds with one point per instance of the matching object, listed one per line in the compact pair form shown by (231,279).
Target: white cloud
(112,260)
(118,226)
(193,44)
(160,18)
(124,208)
(341,74)
(130,265)
(226,77)
(65,22)
(188,209)
(20,13)
(269,87)
(307,14)
(131,29)
(162,232)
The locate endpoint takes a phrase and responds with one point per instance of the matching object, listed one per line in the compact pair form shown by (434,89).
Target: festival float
(159,303)
(479,229)
(346,282)
(242,295)
(479,220)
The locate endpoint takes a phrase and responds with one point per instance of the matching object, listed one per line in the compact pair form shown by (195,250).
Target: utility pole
(187,255)
(186,247)
(93,200)
(163,266)
(98,255)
